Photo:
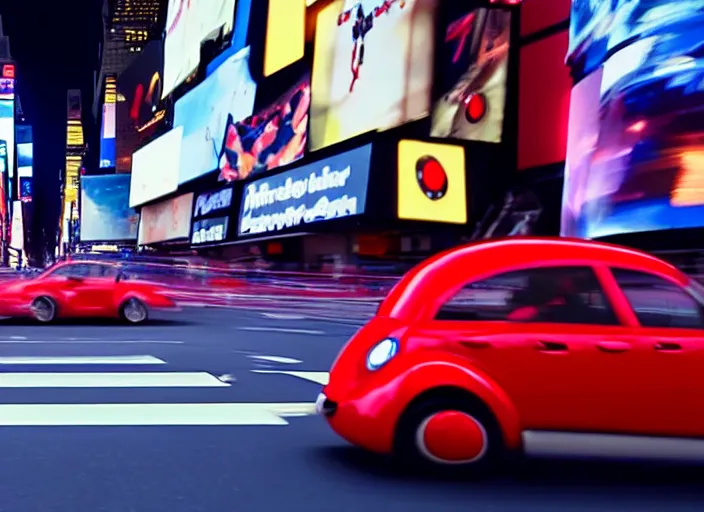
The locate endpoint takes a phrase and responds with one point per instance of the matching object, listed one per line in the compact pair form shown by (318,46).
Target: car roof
(481,259)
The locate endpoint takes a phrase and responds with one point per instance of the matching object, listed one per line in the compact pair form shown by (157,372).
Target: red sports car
(82,289)
(541,346)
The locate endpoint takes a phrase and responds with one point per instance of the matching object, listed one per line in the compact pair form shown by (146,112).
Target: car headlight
(381,353)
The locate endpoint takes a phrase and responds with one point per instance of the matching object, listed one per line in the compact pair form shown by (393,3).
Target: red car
(534,345)
(82,289)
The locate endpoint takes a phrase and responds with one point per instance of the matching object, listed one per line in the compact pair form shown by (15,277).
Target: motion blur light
(475,107)
(432,177)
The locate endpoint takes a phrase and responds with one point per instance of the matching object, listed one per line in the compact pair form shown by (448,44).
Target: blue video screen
(225,97)
(635,151)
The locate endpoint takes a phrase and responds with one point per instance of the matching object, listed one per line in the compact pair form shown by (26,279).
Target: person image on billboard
(275,137)
(372,67)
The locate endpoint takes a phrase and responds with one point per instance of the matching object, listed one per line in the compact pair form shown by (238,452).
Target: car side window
(658,302)
(79,270)
(570,295)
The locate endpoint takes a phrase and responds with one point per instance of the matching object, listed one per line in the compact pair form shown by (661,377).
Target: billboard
(284,17)
(598,28)
(275,136)
(431,182)
(4,191)
(166,221)
(17,230)
(328,189)
(635,149)
(7,133)
(472,80)
(138,109)
(239,37)
(155,168)
(188,24)
(7,88)
(107,129)
(211,215)
(372,68)
(224,97)
(105,212)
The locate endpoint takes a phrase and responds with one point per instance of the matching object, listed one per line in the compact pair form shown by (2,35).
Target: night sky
(56,47)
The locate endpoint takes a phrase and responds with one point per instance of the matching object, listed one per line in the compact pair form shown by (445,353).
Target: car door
(550,338)
(95,295)
(82,292)
(671,319)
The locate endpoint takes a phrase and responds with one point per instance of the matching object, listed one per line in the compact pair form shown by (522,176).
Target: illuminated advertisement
(372,68)
(206,112)
(105,212)
(25,150)
(473,77)
(7,133)
(4,196)
(333,188)
(284,17)
(166,221)
(597,27)
(138,111)
(211,217)
(107,137)
(431,182)
(239,35)
(155,168)
(275,136)
(7,88)
(17,230)
(25,189)
(636,138)
(188,24)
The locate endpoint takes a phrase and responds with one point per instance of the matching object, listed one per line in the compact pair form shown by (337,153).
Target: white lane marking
(277,359)
(280,329)
(111,380)
(89,342)
(149,414)
(59,360)
(321,378)
(283,316)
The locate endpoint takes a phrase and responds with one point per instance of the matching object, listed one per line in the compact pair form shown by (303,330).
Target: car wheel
(134,311)
(44,309)
(449,433)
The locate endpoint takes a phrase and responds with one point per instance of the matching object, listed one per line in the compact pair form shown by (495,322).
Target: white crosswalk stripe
(84,372)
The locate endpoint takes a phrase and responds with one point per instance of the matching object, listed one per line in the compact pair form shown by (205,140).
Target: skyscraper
(127,27)
(75,151)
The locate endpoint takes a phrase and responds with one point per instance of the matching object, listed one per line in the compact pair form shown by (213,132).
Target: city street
(263,452)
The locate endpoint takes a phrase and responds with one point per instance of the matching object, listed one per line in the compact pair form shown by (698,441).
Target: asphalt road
(278,458)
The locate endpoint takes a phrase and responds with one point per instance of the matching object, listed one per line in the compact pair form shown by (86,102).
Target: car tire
(44,309)
(134,311)
(449,433)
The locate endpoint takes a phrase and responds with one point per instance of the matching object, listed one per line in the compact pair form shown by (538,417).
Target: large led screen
(638,165)
(166,221)
(206,112)
(598,27)
(188,24)
(155,168)
(474,63)
(4,196)
(275,136)
(373,67)
(325,190)
(107,136)
(7,132)
(17,229)
(138,109)
(105,212)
